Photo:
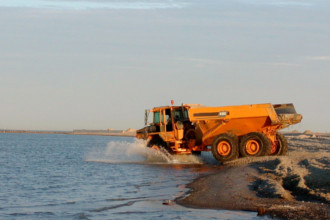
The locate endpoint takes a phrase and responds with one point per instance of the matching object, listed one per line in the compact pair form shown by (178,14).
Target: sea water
(52,176)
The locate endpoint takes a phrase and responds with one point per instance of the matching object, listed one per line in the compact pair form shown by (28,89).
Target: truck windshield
(156,117)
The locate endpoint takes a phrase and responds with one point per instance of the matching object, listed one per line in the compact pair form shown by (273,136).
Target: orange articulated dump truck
(229,131)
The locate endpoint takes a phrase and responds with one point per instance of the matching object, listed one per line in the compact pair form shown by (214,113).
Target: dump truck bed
(242,119)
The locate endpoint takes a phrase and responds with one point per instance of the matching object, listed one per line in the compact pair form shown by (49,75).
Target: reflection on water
(95,177)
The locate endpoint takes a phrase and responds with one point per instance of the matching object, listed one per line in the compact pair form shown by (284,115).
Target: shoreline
(123,134)
(206,193)
(295,186)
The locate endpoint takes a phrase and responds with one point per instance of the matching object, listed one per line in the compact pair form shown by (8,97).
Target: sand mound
(302,175)
(296,178)
(308,132)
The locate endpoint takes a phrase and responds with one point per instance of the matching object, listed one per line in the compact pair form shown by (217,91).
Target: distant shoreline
(81,132)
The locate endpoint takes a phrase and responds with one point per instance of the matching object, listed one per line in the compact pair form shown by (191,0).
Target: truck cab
(167,128)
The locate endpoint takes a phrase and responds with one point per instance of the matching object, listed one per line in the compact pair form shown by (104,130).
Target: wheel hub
(224,148)
(252,147)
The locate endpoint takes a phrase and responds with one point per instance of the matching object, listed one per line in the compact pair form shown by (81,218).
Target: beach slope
(295,186)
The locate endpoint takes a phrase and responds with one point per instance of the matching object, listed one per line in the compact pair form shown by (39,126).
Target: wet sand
(296,186)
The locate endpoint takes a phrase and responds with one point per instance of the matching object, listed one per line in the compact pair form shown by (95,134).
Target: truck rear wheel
(255,144)
(225,147)
(282,145)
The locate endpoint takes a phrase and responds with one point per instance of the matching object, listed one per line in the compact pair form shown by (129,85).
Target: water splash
(137,152)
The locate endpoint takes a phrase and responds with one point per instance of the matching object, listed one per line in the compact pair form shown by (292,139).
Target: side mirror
(146,115)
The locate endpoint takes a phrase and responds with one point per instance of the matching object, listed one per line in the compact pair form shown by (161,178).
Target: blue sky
(98,64)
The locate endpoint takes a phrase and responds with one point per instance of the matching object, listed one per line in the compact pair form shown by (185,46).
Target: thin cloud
(320,58)
(203,61)
(282,64)
(85,5)
(280,3)
(199,60)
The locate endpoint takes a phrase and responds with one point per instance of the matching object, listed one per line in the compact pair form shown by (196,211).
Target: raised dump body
(229,131)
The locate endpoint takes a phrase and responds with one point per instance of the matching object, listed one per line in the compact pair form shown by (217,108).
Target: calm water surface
(95,177)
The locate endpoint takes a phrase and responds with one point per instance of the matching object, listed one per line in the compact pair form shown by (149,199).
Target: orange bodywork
(206,123)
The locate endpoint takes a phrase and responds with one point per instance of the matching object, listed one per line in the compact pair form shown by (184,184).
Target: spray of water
(137,152)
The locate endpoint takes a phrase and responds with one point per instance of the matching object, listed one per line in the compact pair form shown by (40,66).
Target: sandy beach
(295,186)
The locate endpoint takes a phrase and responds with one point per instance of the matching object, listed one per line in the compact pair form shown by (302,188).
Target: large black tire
(157,142)
(255,144)
(190,134)
(225,147)
(196,153)
(195,134)
(282,145)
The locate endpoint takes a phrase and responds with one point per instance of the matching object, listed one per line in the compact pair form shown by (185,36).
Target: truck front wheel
(225,147)
(157,144)
(255,144)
